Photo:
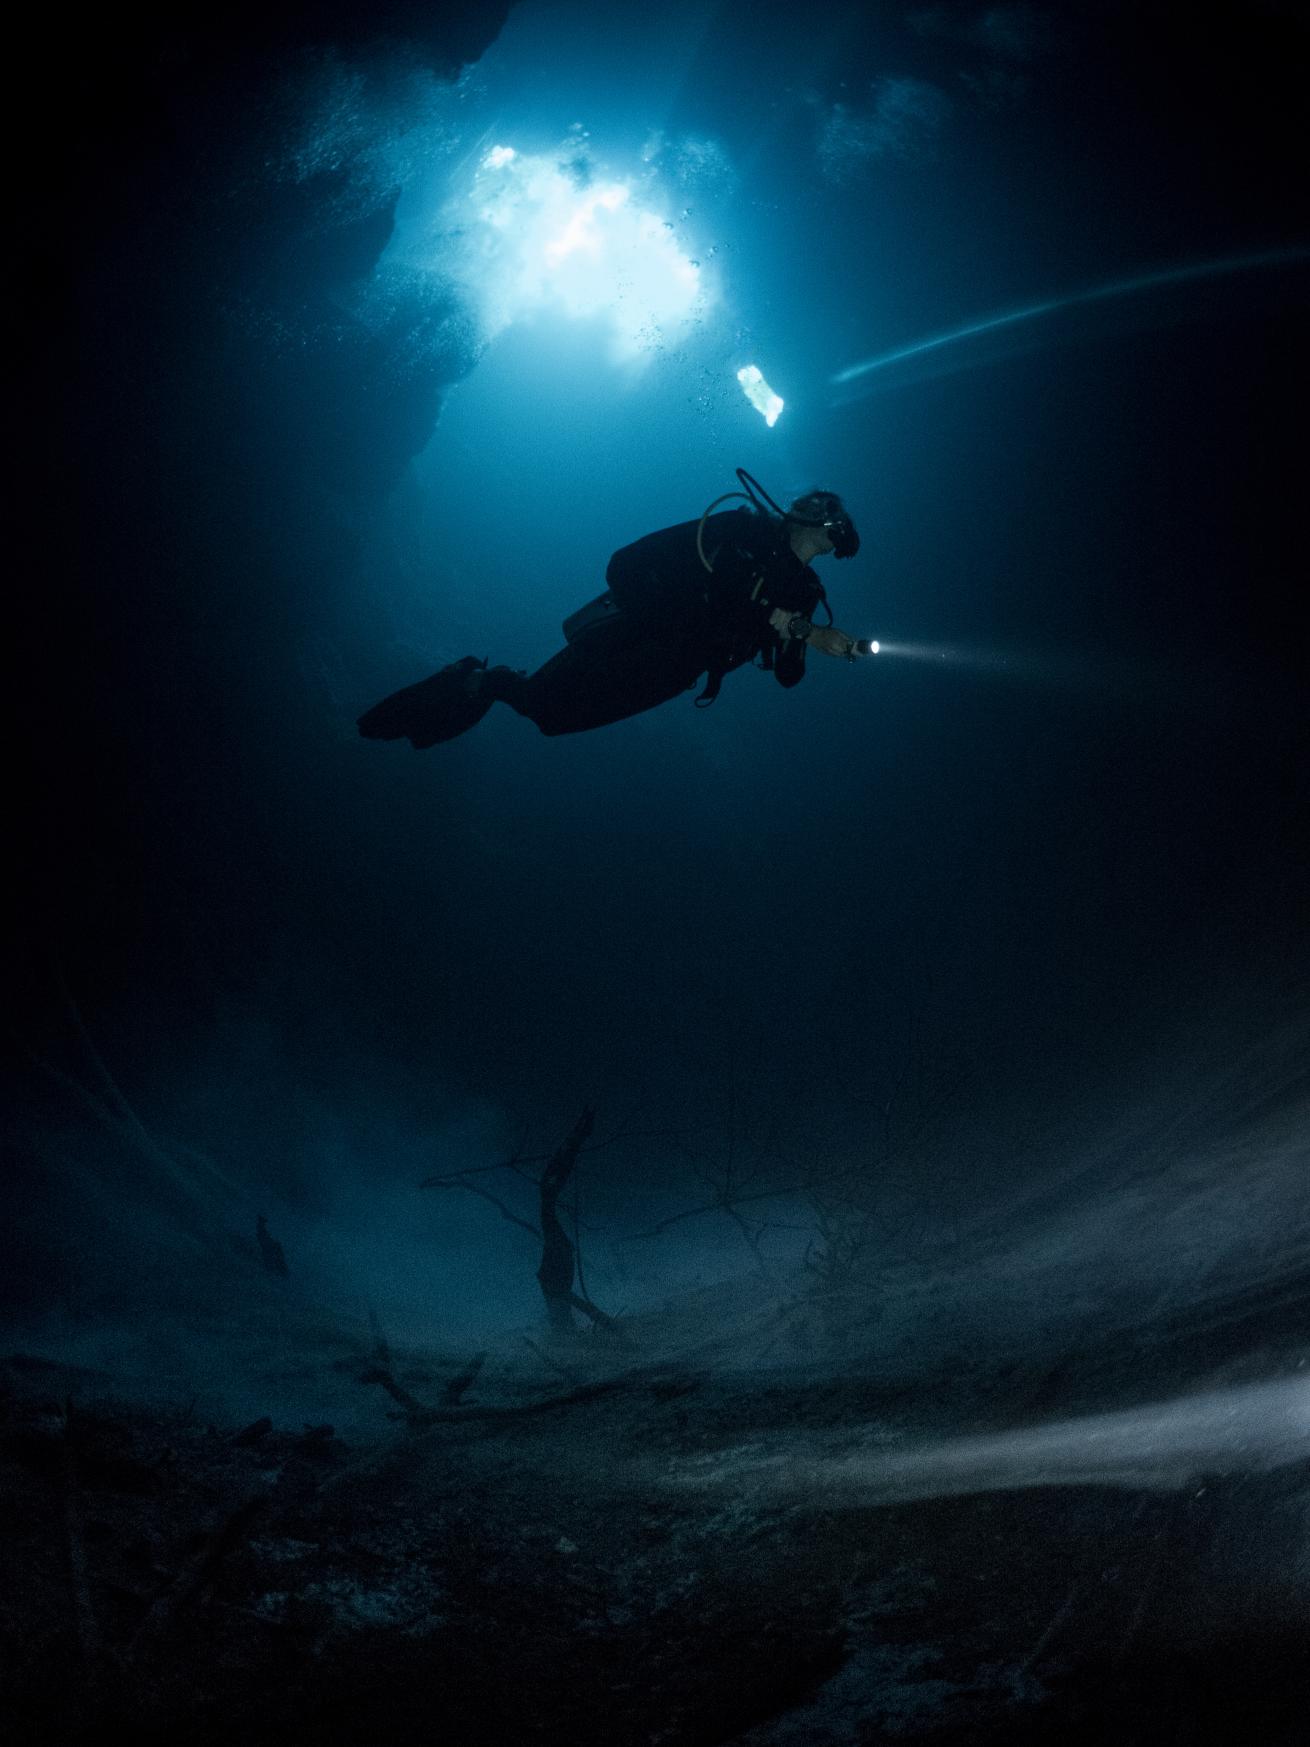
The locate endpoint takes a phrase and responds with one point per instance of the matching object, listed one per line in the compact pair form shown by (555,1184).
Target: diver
(689,602)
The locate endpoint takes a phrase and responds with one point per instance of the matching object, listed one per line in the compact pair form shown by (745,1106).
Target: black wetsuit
(675,621)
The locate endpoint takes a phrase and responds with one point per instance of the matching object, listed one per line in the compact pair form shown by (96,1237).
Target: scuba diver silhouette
(701,598)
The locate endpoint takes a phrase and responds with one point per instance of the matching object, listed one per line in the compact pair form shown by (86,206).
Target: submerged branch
(486,1195)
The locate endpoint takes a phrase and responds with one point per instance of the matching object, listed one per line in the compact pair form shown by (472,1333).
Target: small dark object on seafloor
(253,1434)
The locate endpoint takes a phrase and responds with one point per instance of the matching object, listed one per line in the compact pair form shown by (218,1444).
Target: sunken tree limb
(558,1261)
(559,1274)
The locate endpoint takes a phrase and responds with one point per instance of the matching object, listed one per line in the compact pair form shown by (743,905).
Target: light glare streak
(1094,294)
(1254,1429)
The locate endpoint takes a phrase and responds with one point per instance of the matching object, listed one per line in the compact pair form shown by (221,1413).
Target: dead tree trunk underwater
(559,1268)
(558,1262)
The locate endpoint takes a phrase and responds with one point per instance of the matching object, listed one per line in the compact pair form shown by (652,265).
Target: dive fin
(436,709)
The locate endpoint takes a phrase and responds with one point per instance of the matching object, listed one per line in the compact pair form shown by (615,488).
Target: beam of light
(535,232)
(760,395)
(1252,1429)
(1109,674)
(960,655)
(1166,276)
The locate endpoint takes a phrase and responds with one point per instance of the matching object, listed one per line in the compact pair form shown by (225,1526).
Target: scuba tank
(601,611)
(662,575)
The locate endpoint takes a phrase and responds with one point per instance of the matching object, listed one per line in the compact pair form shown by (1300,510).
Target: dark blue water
(308,425)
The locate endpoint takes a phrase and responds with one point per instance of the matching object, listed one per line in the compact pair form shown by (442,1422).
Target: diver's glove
(790,626)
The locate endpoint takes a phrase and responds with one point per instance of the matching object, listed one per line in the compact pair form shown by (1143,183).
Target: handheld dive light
(799,626)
